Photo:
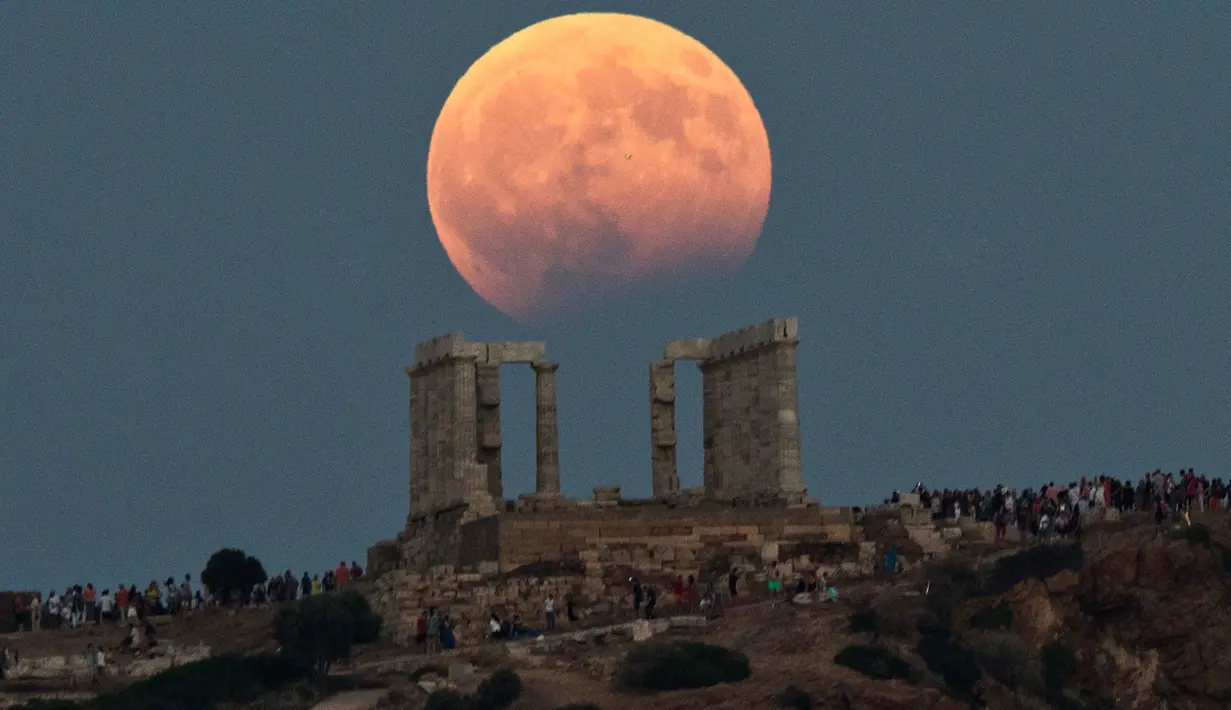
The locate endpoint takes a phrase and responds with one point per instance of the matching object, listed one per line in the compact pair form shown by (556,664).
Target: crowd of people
(1061,509)
(80,605)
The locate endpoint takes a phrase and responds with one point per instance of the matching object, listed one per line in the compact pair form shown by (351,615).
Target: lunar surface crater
(531,177)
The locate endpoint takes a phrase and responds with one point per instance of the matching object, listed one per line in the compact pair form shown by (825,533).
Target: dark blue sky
(1006,232)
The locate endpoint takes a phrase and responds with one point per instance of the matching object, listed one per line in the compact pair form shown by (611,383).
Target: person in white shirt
(106,605)
(36,613)
(549,612)
(53,610)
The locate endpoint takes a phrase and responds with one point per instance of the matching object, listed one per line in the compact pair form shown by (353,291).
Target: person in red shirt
(90,598)
(342,574)
(121,603)
(677,591)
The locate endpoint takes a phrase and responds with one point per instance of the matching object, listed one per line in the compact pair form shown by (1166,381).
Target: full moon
(592,153)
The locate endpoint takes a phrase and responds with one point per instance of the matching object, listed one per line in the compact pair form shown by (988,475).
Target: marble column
(666,479)
(547,438)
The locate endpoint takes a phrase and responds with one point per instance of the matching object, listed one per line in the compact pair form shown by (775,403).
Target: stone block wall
(751,412)
(662,538)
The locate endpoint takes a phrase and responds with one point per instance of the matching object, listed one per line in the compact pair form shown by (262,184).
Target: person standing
(36,612)
(549,612)
(89,596)
(106,606)
(433,630)
(121,603)
(638,596)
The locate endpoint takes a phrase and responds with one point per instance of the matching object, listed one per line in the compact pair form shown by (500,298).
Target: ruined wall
(751,412)
(659,538)
(433,539)
(455,438)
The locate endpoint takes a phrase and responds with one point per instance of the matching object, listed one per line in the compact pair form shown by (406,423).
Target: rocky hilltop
(1133,616)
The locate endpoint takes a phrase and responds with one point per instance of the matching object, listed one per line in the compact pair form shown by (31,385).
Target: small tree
(499,691)
(316,631)
(365,621)
(231,570)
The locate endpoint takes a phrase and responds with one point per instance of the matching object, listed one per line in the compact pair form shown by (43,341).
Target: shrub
(1038,562)
(1197,534)
(996,618)
(205,684)
(231,570)
(315,632)
(863,621)
(1008,660)
(681,664)
(366,622)
(1059,667)
(951,661)
(949,584)
(873,661)
(795,698)
(499,691)
(446,700)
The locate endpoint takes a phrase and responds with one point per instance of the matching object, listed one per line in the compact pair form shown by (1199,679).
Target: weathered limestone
(546,430)
(666,479)
(455,440)
(750,419)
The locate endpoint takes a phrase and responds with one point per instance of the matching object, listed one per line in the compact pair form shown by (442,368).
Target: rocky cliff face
(1148,615)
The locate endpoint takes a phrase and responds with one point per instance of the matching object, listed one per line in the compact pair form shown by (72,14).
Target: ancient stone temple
(750,413)
(455,424)
(468,551)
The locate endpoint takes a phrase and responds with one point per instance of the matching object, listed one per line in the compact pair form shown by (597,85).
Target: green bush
(1195,534)
(873,661)
(446,700)
(366,622)
(897,618)
(863,621)
(1059,667)
(681,664)
(951,661)
(230,570)
(949,584)
(1037,562)
(795,698)
(205,684)
(996,618)
(499,691)
(1007,659)
(316,631)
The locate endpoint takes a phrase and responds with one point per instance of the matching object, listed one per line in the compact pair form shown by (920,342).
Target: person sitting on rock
(494,627)
(421,629)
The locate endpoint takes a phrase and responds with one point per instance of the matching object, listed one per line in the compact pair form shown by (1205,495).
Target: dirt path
(353,700)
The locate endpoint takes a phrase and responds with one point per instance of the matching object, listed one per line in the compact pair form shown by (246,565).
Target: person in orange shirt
(342,573)
(91,603)
(121,603)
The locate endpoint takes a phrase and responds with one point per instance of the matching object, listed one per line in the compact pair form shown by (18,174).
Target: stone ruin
(468,550)
(749,411)
(455,424)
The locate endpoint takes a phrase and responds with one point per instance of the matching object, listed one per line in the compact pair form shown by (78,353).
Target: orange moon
(591,153)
